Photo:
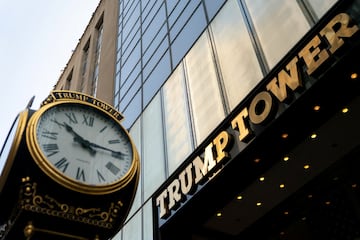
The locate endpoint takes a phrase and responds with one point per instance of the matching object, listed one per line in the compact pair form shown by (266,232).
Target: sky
(36,41)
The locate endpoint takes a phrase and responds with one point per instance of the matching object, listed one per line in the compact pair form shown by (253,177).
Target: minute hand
(116,154)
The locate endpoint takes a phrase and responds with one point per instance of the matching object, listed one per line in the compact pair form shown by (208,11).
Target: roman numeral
(62,164)
(48,134)
(103,129)
(72,117)
(100,176)
(50,148)
(80,174)
(112,168)
(114,141)
(88,120)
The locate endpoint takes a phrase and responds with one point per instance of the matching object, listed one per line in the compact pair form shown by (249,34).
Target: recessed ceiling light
(257,160)
(345,110)
(258,204)
(313,136)
(306,166)
(286,158)
(316,108)
(219,214)
(353,75)
(284,135)
(282,185)
(262,179)
(239,197)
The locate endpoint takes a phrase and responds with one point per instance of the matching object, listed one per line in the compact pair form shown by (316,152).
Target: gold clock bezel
(69,183)
(20,128)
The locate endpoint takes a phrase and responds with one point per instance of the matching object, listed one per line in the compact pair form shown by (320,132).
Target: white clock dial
(84,144)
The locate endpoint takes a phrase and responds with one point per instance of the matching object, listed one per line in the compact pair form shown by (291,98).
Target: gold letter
(239,123)
(160,200)
(335,37)
(174,195)
(186,182)
(222,142)
(312,55)
(265,109)
(292,81)
(202,168)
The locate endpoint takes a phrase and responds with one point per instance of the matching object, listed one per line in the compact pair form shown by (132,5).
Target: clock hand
(59,124)
(84,143)
(115,154)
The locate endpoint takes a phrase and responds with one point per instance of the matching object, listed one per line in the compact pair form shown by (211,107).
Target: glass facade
(183,66)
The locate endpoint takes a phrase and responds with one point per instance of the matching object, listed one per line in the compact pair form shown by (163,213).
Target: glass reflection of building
(182,66)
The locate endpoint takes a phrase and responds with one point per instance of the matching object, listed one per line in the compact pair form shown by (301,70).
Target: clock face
(84,144)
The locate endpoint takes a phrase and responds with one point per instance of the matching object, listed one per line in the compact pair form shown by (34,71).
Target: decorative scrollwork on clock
(32,201)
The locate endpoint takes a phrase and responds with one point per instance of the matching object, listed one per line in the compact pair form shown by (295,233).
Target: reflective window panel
(153,159)
(157,77)
(148,221)
(135,133)
(239,66)
(321,6)
(187,35)
(132,111)
(177,120)
(279,25)
(206,101)
(133,229)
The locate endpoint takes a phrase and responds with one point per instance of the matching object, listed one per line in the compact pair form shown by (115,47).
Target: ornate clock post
(71,171)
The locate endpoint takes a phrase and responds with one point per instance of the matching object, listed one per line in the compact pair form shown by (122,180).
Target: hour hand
(84,143)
